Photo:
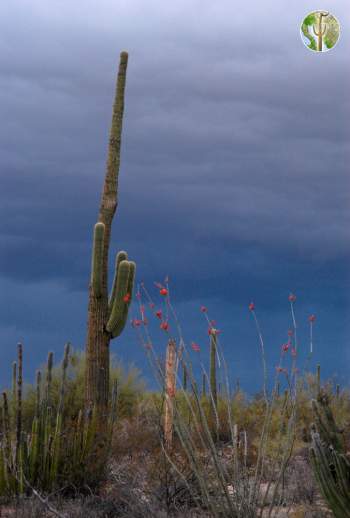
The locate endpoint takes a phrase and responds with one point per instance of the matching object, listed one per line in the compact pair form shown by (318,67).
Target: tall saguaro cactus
(107,316)
(320,30)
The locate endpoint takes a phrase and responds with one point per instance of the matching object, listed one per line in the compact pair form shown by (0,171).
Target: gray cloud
(235,148)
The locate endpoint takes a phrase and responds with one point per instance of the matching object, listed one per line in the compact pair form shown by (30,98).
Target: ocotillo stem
(170,362)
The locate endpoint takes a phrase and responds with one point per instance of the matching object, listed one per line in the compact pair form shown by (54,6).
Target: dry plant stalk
(170,389)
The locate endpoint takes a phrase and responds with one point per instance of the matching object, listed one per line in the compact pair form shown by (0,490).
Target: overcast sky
(234,176)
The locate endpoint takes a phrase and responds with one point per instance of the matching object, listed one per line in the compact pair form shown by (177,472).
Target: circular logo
(320,31)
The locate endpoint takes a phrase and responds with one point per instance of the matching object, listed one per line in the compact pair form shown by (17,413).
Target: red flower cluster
(204,309)
(213,331)
(163,292)
(159,314)
(136,322)
(195,347)
(312,319)
(164,325)
(280,369)
(292,297)
(251,306)
(285,348)
(127,297)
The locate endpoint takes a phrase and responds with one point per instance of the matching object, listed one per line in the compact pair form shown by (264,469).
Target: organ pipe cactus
(107,316)
(39,456)
(331,465)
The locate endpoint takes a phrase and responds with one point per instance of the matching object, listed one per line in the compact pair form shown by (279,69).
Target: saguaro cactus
(320,30)
(107,318)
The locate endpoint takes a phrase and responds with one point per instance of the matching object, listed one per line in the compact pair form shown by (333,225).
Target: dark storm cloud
(234,175)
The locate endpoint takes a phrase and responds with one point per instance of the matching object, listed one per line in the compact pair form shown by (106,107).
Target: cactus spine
(106,319)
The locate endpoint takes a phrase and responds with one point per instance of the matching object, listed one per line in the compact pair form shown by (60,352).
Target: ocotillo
(170,390)
(213,353)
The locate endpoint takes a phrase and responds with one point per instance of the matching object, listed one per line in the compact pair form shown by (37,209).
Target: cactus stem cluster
(40,457)
(330,463)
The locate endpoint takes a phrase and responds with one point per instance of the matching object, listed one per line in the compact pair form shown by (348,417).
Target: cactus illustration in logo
(320,31)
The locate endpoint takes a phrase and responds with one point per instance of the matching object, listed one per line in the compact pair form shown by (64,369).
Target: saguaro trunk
(98,338)
(320,30)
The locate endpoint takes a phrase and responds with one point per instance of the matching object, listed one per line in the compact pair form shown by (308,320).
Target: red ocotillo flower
(312,319)
(251,306)
(164,325)
(213,331)
(159,314)
(195,347)
(285,348)
(292,297)
(280,369)
(136,322)
(163,292)
(127,297)
(204,309)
